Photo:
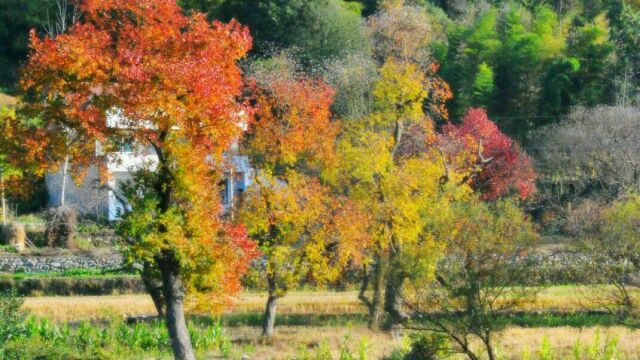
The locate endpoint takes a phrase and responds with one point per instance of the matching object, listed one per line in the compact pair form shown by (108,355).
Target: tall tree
(17,17)
(21,154)
(591,157)
(402,192)
(316,30)
(480,278)
(169,82)
(590,44)
(303,230)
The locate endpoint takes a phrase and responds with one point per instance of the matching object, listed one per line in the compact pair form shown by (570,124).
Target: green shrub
(596,350)
(38,349)
(8,248)
(11,319)
(428,346)
(47,340)
(72,285)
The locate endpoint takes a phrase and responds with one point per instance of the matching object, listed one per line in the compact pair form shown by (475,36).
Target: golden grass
(557,298)
(292,340)
(515,341)
(74,308)
(512,344)
(6,100)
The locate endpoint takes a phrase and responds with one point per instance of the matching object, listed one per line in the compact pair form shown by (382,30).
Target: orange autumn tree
(171,83)
(304,230)
(21,156)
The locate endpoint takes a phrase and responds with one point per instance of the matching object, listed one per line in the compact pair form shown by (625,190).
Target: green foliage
(546,351)
(346,352)
(428,346)
(480,277)
(70,286)
(557,87)
(328,29)
(316,30)
(590,44)
(483,85)
(12,319)
(8,248)
(44,339)
(527,65)
(17,17)
(598,349)
(69,273)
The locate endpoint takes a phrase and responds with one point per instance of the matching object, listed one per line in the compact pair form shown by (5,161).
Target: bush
(37,349)
(428,346)
(46,340)
(11,323)
(69,286)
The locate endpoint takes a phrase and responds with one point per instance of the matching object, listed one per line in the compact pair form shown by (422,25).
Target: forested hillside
(526,62)
(452,178)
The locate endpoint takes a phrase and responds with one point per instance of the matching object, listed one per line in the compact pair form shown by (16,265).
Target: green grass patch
(576,319)
(69,273)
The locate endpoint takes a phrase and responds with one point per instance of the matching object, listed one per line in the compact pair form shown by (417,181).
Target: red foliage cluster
(292,121)
(501,166)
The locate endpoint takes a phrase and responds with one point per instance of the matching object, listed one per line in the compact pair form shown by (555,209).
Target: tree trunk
(154,287)
(174,296)
(269,320)
(397,137)
(393,295)
(393,300)
(489,346)
(376,310)
(65,171)
(4,201)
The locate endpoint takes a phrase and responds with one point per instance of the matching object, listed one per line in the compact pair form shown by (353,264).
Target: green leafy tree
(613,245)
(483,85)
(590,44)
(557,94)
(480,277)
(317,30)
(17,17)
(12,317)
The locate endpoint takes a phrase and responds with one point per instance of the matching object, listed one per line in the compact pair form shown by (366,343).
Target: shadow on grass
(523,319)
(255,319)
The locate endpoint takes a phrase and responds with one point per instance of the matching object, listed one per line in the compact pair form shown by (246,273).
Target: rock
(14,235)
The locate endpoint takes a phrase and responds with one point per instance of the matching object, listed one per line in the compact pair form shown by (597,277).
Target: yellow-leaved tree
(405,193)
(304,230)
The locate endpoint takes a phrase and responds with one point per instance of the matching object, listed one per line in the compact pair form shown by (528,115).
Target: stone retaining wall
(31,263)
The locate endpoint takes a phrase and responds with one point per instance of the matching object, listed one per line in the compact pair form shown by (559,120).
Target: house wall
(92,197)
(87,198)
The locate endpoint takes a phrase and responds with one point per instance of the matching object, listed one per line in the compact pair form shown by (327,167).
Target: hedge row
(68,286)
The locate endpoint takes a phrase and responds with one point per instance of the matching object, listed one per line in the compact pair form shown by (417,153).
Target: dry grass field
(557,298)
(292,341)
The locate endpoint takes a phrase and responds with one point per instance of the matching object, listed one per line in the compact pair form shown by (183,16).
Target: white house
(93,197)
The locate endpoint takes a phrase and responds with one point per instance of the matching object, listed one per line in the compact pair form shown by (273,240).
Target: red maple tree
(499,165)
(172,82)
